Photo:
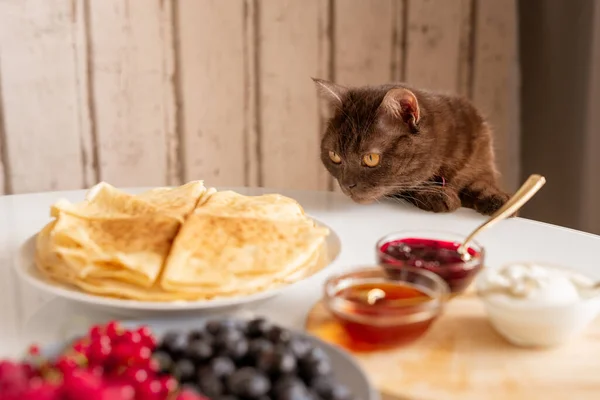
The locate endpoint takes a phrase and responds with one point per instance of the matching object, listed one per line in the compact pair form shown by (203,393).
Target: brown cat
(431,149)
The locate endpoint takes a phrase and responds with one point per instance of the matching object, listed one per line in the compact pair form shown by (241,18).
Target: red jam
(440,257)
(393,318)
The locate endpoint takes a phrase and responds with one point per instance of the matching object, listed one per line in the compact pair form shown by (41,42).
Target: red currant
(96,331)
(150,390)
(169,384)
(122,353)
(131,337)
(81,347)
(148,338)
(114,330)
(34,350)
(66,363)
(153,365)
(142,354)
(99,352)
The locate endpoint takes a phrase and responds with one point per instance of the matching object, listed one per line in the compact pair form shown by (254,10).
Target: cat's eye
(335,157)
(371,159)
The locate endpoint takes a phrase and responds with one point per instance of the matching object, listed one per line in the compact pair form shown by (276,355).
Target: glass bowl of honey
(378,311)
(432,251)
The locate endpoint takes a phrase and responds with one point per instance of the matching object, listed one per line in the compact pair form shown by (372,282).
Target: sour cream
(537,305)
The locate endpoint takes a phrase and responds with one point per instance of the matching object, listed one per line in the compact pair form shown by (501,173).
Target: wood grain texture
(45,121)
(9,286)
(211,51)
(130,78)
(462,358)
(496,83)
(175,175)
(364,38)
(433,47)
(3,154)
(289,38)
(251,117)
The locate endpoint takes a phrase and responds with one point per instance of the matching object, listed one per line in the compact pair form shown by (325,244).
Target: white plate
(27,271)
(346,370)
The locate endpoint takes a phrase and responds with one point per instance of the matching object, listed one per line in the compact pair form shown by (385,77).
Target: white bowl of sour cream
(536,304)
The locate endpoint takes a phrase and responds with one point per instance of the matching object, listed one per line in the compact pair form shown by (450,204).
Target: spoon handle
(522,196)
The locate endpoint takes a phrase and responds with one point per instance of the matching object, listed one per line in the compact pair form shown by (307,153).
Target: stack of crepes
(184,243)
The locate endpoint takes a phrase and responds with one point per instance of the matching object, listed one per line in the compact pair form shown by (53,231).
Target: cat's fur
(435,149)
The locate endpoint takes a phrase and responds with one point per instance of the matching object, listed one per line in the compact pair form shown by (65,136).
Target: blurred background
(159,92)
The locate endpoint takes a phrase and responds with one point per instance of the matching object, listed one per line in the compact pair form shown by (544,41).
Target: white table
(27,315)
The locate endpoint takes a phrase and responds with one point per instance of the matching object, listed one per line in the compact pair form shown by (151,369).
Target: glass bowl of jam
(377,311)
(432,251)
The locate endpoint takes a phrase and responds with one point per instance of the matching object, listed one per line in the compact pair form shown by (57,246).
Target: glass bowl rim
(438,299)
(480,250)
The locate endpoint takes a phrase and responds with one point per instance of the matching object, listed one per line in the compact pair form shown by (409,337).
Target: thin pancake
(267,206)
(179,201)
(106,202)
(126,247)
(222,253)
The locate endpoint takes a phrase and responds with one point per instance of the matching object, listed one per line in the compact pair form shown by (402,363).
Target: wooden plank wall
(158,92)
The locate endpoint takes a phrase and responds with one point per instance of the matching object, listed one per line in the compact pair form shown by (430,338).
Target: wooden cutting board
(462,357)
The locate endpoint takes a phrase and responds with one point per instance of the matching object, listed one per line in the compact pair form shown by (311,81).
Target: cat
(394,141)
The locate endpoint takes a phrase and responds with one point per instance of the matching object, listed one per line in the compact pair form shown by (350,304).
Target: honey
(376,316)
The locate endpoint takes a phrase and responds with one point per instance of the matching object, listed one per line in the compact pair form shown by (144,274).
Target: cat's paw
(487,205)
(439,202)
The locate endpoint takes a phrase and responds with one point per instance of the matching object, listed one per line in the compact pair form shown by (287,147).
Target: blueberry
(285,381)
(213,326)
(290,388)
(209,384)
(199,351)
(231,344)
(258,327)
(299,347)
(197,334)
(316,354)
(279,335)
(329,389)
(169,338)
(248,382)
(164,360)
(237,350)
(183,370)
(279,361)
(227,397)
(221,367)
(257,347)
(218,327)
(174,343)
(314,367)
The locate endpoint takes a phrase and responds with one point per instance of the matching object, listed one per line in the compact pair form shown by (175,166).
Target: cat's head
(375,143)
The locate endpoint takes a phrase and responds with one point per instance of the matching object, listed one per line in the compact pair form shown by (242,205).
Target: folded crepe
(217,255)
(132,249)
(267,206)
(106,202)
(115,235)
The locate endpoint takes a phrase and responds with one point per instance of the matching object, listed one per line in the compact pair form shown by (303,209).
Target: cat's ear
(330,91)
(401,103)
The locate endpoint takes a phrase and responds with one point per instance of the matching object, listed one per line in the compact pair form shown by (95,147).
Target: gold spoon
(522,196)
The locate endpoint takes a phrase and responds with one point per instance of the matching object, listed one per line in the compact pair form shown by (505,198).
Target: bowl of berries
(216,359)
